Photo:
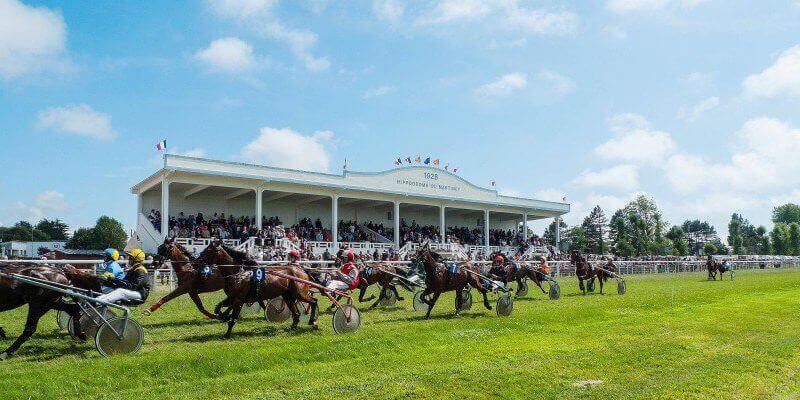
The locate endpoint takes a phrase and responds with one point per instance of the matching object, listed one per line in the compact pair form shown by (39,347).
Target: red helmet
(351,256)
(295,254)
(499,258)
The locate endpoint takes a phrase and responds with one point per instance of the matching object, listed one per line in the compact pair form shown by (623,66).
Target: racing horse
(713,266)
(15,294)
(440,278)
(586,272)
(383,275)
(189,277)
(514,272)
(257,285)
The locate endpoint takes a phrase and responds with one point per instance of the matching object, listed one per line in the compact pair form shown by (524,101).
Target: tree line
(639,229)
(106,232)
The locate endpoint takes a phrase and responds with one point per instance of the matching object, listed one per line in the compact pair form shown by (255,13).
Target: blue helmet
(111,253)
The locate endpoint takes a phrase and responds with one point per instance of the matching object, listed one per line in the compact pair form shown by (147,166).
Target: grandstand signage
(429,181)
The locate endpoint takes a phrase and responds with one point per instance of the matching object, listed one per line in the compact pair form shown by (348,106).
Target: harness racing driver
(347,277)
(135,286)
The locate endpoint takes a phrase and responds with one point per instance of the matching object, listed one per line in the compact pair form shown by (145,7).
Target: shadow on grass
(35,352)
(434,317)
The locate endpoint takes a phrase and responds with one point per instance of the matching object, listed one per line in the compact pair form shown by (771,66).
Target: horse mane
(238,255)
(185,252)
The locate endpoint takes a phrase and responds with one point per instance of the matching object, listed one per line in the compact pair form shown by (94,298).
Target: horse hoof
(146,313)
(3,356)
(315,326)
(400,299)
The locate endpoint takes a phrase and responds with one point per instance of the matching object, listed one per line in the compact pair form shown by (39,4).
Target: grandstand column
(165,207)
(525,226)
(442,226)
(396,215)
(259,193)
(335,221)
(558,234)
(486,230)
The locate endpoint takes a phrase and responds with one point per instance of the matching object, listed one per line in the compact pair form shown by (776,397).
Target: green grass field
(670,336)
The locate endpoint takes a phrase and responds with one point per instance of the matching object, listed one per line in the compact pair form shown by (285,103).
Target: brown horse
(586,272)
(439,279)
(384,276)
(262,284)
(514,272)
(713,266)
(189,277)
(15,294)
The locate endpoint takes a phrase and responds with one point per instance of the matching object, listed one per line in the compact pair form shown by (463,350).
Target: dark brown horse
(15,294)
(586,272)
(262,284)
(188,271)
(714,266)
(439,279)
(516,272)
(384,276)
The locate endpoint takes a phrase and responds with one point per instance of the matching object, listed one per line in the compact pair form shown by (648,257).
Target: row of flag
(420,160)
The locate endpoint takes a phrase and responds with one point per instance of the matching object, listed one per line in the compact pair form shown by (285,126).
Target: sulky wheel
(346,319)
(555,291)
(418,304)
(505,305)
(126,337)
(621,287)
(90,322)
(466,300)
(389,300)
(522,290)
(305,312)
(251,308)
(62,318)
(277,311)
(733,275)
(590,285)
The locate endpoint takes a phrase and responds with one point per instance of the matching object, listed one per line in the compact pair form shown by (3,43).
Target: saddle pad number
(368,271)
(206,270)
(453,268)
(259,275)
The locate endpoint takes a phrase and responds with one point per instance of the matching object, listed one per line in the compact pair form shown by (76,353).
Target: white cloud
(32,40)
(550,194)
(289,149)
(46,203)
(390,10)
(77,119)
(610,203)
(622,177)
(764,157)
(379,91)
(503,86)
(782,78)
(558,84)
(259,16)
(615,32)
(230,55)
(635,142)
(503,14)
(695,112)
(650,6)
(241,8)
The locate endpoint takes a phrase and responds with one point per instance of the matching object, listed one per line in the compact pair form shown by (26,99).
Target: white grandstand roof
(407,184)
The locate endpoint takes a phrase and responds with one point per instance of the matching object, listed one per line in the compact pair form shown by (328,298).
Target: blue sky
(693,102)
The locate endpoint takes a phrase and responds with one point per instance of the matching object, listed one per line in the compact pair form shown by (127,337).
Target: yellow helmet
(136,255)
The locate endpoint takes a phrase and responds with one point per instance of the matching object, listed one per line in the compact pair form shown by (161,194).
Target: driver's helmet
(136,256)
(111,253)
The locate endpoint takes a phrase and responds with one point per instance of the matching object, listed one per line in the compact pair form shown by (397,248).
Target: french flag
(162,145)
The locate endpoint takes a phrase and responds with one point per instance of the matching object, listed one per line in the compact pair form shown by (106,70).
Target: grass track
(670,337)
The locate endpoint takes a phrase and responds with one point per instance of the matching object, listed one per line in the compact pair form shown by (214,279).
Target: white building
(428,196)
(28,249)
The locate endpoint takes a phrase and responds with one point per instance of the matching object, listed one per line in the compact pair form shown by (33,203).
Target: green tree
(22,231)
(794,239)
(594,227)
(576,239)
(550,233)
(55,229)
(786,214)
(709,249)
(764,247)
(677,236)
(780,239)
(106,233)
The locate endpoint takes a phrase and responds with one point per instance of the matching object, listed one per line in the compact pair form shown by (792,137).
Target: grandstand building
(416,194)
